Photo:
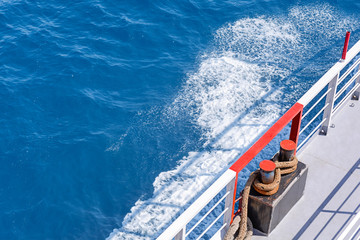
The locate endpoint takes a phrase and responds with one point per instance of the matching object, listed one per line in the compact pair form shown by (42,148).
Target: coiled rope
(241,228)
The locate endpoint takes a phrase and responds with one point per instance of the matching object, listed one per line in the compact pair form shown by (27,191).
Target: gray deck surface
(332,192)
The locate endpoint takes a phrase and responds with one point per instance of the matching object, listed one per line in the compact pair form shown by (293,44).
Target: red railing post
(346,44)
(234,198)
(295,128)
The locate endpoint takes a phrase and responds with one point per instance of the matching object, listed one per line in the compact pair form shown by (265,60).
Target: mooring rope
(233,231)
(241,227)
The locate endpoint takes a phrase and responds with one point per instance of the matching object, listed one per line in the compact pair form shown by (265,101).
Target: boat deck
(330,206)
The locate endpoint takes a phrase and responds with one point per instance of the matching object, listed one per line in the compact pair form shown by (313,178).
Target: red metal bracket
(293,114)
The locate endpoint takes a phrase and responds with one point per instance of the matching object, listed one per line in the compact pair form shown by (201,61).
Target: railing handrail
(329,75)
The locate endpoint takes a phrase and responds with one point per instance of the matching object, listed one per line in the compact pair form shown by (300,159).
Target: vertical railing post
(295,128)
(228,204)
(356,94)
(346,44)
(330,97)
(181,235)
(234,196)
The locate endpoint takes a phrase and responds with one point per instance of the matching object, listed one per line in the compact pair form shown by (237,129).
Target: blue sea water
(93,96)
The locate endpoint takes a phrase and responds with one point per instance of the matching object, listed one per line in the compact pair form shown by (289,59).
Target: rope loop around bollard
(281,169)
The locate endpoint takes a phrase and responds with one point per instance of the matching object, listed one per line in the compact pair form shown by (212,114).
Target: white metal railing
(178,228)
(331,79)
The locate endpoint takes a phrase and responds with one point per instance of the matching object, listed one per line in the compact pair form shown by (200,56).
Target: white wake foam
(235,95)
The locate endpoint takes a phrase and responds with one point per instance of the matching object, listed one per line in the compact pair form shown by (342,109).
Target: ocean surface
(116,114)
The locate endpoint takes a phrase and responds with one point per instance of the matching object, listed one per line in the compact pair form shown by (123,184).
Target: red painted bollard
(267,171)
(287,149)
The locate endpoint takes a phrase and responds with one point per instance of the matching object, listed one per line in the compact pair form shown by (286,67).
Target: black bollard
(267,169)
(287,149)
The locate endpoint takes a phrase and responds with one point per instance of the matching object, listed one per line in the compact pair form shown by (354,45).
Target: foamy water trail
(235,94)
